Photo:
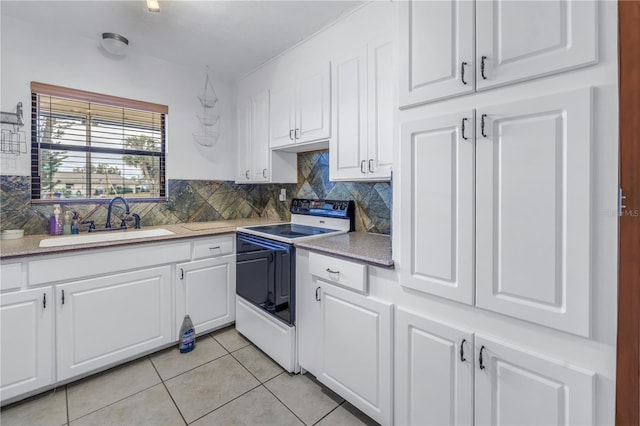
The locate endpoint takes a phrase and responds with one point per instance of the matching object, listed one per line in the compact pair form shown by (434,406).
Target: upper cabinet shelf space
(513,41)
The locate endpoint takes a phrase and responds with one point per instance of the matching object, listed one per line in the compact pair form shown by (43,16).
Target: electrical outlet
(283,194)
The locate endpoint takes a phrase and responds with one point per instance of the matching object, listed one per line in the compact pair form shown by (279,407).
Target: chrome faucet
(113,200)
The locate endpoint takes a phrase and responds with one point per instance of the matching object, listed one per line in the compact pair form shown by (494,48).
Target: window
(87,146)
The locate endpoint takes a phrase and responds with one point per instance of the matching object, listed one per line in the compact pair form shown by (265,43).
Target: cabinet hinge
(621,198)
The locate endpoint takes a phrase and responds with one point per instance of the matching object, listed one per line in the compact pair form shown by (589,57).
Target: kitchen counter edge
(370,248)
(30,245)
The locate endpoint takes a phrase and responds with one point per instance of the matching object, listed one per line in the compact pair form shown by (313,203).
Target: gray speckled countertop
(30,245)
(374,249)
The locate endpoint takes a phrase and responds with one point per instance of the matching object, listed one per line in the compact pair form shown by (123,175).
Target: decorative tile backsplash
(203,201)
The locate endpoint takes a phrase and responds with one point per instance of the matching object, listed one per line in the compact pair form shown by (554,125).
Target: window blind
(87,146)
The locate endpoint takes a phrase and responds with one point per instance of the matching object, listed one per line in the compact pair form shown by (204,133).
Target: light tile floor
(224,381)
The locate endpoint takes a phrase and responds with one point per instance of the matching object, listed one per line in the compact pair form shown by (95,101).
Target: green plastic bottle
(187,336)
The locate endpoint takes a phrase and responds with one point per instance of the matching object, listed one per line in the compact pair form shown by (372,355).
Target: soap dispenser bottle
(56,223)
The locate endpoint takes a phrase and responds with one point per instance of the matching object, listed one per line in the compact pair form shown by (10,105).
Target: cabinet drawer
(210,247)
(338,271)
(10,276)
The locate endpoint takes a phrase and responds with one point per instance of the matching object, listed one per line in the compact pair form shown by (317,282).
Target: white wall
(28,55)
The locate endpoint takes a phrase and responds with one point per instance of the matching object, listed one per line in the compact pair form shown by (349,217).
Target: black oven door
(265,274)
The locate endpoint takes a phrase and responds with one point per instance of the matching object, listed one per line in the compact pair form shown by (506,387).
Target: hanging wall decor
(210,118)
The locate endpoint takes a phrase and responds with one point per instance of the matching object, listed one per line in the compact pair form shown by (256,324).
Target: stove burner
(291,230)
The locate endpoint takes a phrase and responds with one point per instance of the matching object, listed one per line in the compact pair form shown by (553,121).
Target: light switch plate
(283,194)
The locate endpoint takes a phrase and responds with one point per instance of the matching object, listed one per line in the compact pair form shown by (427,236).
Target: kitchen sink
(98,237)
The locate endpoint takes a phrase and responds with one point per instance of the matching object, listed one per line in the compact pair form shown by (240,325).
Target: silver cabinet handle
(362,170)
(464,120)
(318,294)
(181,274)
(44,300)
(480,360)
(297,133)
(214,248)
(370,168)
(291,134)
(246,174)
(462,68)
(462,358)
(332,272)
(264,173)
(482,61)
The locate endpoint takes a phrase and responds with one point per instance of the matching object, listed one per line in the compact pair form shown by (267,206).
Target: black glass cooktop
(291,230)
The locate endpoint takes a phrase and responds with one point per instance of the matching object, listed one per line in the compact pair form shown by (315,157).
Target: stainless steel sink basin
(98,237)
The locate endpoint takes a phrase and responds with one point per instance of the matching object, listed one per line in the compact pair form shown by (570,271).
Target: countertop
(29,245)
(374,249)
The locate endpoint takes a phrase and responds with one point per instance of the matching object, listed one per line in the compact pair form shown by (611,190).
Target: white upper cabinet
(513,41)
(531,200)
(436,50)
(520,40)
(362,92)
(300,107)
(253,138)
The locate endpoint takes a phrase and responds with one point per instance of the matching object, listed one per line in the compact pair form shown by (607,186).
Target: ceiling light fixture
(153,5)
(114,43)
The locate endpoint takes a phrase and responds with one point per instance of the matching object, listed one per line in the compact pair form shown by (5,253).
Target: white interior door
(533,253)
(519,40)
(434,376)
(514,386)
(437,219)
(436,50)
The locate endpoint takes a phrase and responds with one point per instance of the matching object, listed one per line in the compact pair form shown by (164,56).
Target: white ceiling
(232,37)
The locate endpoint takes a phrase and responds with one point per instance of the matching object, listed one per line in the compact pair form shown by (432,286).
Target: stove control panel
(329,208)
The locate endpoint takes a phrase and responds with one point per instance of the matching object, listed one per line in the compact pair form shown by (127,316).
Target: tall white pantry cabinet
(505,246)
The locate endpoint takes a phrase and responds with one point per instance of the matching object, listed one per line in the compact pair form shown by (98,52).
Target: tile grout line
(226,403)
(167,389)
(282,402)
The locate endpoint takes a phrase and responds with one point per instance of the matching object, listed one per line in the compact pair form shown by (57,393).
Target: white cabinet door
(308,317)
(260,137)
(101,321)
(244,141)
(434,376)
(514,386)
(533,241)
(313,104)
(380,110)
(357,350)
(348,147)
(282,115)
(519,40)
(438,220)
(205,290)
(436,50)
(26,320)
(362,93)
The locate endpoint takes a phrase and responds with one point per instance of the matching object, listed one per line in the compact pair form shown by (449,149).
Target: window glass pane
(92,150)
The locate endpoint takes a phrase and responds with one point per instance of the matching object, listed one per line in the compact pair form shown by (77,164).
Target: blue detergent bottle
(187,336)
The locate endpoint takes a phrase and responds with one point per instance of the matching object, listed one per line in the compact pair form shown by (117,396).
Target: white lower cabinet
(345,338)
(26,341)
(357,350)
(205,290)
(101,321)
(447,376)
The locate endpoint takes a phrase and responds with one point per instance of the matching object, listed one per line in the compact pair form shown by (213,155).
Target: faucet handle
(91,223)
